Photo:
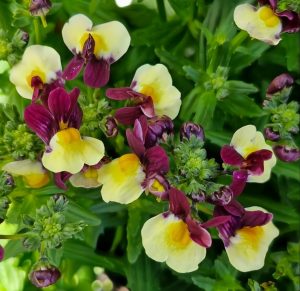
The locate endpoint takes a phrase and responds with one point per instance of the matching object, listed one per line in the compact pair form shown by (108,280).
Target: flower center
(90,173)
(148,90)
(267,15)
(251,236)
(36,180)
(35,73)
(99,42)
(249,150)
(68,136)
(156,186)
(129,164)
(178,234)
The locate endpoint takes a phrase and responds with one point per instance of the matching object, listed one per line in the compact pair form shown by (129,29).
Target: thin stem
(161,9)
(117,239)
(44,21)
(37,30)
(12,236)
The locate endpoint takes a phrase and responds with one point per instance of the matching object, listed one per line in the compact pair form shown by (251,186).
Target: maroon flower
(271,135)
(279,83)
(44,277)
(111,127)
(287,154)
(189,129)
(39,7)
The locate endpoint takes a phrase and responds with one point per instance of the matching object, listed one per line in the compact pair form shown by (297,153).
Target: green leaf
(291,170)
(79,252)
(240,105)
(143,275)
(254,286)
(204,282)
(239,87)
(75,212)
(292,49)
(219,138)
(183,8)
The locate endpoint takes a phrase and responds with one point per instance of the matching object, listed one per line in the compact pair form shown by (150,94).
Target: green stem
(238,40)
(44,21)
(117,239)
(12,236)
(37,30)
(161,9)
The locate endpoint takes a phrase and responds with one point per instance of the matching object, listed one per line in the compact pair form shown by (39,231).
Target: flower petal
(73,68)
(73,30)
(230,156)
(96,73)
(122,179)
(179,204)
(127,115)
(156,161)
(115,38)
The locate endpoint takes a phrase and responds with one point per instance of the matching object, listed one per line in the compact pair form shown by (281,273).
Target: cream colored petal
(186,260)
(247,252)
(115,38)
(119,184)
(243,138)
(74,29)
(24,167)
(153,238)
(36,58)
(79,180)
(247,18)
(93,150)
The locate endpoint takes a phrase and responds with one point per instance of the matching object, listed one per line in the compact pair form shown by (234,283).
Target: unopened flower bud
(189,129)
(286,153)
(158,186)
(1,253)
(44,274)
(198,197)
(158,129)
(39,7)
(271,135)
(279,83)
(221,197)
(111,127)
(25,36)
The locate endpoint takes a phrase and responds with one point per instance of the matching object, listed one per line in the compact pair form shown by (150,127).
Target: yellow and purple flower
(266,23)
(58,126)
(124,179)
(38,72)
(97,47)
(32,172)
(177,239)
(247,235)
(152,93)
(249,152)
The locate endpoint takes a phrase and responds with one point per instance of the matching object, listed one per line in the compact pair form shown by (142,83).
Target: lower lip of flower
(178,235)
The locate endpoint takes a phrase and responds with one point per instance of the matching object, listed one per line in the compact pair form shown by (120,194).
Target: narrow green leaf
(291,170)
(219,138)
(239,87)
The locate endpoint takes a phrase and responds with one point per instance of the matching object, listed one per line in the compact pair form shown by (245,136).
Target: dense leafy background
(222,75)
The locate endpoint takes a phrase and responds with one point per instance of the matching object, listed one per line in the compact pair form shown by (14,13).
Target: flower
(124,179)
(151,91)
(58,127)
(38,70)
(174,237)
(286,153)
(39,7)
(265,23)
(249,151)
(189,129)
(32,172)
(279,83)
(97,47)
(247,235)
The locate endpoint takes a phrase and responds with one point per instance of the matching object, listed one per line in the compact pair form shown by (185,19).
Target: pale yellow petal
(156,82)
(93,150)
(73,31)
(115,40)
(122,179)
(248,248)
(248,18)
(83,180)
(37,60)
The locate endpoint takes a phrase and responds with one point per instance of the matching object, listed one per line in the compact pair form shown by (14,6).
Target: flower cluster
(176,170)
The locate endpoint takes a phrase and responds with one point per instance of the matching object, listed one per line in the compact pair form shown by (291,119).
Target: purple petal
(198,234)
(135,144)
(96,73)
(73,68)
(41,121)
(234,208)
(230,156)
(127,115)
(255,218)
(255,161)
(156,161)
(120,93)
(179,204)
(88,48)
(161,194)
(280,82)
(216,221)
(148,108)
(61,178)
(290,21)
(272,3)
(140,128)
(287,154)
(239,179)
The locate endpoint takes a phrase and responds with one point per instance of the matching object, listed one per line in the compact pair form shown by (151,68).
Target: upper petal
(73,31)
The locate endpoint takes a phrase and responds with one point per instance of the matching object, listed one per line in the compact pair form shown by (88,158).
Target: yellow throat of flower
(90,173)
(251,236)
(150,90)
(99,42)
(36,73)
(267,15)
(68,136)
(178,235)
(36,180)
